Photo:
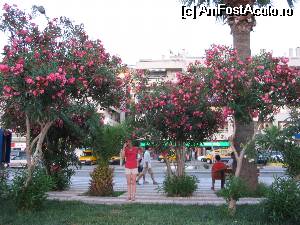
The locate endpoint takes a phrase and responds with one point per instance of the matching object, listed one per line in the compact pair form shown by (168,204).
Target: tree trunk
(168,164)
(241,26)
(232,207)
(239,141)
(180,158)
(28,149)
(38,151)
(241,42)
(248,171)
(239,163)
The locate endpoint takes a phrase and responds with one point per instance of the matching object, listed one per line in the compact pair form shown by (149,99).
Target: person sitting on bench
(218,172)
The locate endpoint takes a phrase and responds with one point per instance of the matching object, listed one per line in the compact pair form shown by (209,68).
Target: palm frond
(262,3)
(291,3)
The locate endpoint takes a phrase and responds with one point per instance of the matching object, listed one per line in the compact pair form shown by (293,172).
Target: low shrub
(234,189)
(183,186)
(282,202)
(4,187)
(261,191)
(33,196)
(61,178)
(101,183)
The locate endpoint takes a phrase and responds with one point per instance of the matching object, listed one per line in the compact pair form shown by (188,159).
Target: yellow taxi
(223,152)
(88,157)
(171,157)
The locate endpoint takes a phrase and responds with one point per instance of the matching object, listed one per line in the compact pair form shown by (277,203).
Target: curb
(146,199)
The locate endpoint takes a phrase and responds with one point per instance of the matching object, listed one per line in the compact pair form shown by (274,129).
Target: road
(81,178)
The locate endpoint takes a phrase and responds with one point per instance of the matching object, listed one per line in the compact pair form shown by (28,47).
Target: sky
(148,29)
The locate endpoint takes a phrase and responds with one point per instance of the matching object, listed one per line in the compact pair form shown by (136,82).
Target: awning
(196,144)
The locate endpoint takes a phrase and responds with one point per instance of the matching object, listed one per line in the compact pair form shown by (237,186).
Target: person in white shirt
(146,166)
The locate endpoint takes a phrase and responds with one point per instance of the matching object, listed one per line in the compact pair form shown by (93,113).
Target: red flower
(71,80)
(7,88)
(29,80)
(28,40)
(4,68)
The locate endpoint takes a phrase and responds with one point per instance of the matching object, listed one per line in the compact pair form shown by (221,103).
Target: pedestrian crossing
(82,183)
(147,194)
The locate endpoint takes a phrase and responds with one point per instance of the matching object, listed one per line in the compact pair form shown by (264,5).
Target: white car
(18,161)
(276,156)
(201,158)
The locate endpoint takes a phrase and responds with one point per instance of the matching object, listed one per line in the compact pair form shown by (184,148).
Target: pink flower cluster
(180,109)
(263,79)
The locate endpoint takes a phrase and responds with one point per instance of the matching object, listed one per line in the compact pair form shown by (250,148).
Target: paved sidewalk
(148,194)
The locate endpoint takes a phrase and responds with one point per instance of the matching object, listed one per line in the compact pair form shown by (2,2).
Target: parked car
(18,161)
(202,158)
(276,156)
(172,157)
(225,159)
(262,158)
(223,152)
(14,153)
(88,157)
(115,160)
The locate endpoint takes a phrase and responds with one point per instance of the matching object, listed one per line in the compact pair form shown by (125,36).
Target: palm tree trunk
(241,26)
(241,42)
(248,171)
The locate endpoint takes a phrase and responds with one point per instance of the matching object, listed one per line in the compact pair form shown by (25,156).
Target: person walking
(130,152)
(140,165)
(146,166)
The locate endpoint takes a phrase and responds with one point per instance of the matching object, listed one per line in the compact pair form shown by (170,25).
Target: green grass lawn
(75,213)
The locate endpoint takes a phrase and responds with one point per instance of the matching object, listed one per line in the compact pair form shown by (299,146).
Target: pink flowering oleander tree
(249,90)
(45,73)
(176,112)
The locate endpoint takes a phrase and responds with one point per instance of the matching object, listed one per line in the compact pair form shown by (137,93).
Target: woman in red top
(130,154)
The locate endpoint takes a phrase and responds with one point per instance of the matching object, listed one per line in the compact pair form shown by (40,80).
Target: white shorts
(133,171)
